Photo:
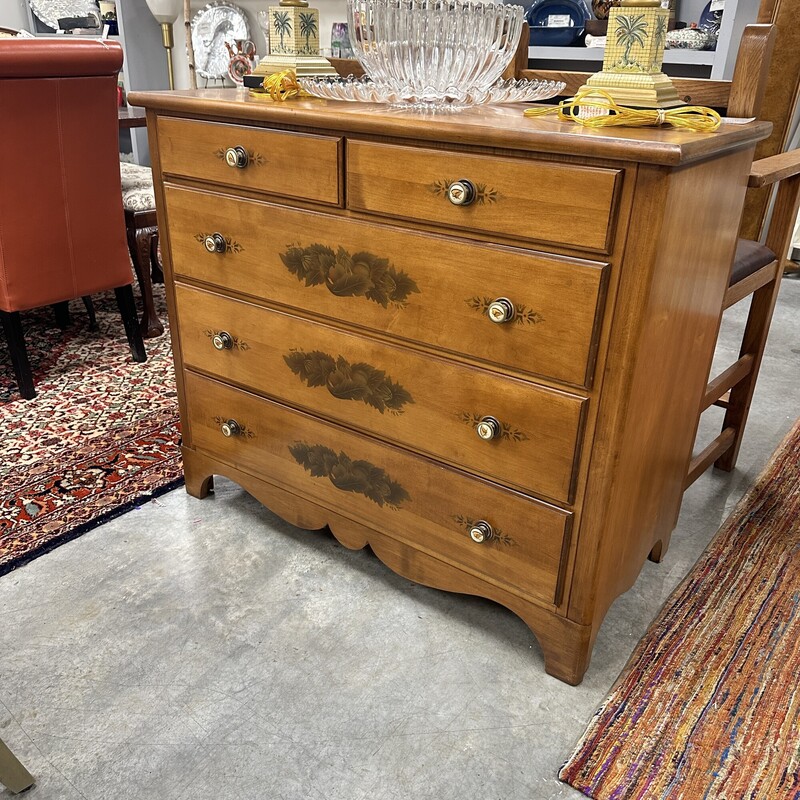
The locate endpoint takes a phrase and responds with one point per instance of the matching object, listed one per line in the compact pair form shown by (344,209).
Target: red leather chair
(62,227)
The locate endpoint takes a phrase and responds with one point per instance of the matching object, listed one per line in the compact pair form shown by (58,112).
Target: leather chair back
(62,228)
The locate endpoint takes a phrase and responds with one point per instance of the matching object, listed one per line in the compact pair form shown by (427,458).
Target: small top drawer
(277,162)
(529,200)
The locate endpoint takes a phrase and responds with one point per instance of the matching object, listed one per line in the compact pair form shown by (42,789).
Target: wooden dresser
(475,342)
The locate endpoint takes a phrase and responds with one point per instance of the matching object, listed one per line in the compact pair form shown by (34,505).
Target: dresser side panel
(675,271)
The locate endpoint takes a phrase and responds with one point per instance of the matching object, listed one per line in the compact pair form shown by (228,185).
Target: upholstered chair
(62,226)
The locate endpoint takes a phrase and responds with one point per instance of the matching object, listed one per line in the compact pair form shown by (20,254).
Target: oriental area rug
(101,436)
(708,705)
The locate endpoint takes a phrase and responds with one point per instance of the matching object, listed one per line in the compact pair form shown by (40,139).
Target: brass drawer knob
(461,192)
(215,243)
(222,340)
(488,428)
(501,310)
(236,157)
(481,532)
(230,428)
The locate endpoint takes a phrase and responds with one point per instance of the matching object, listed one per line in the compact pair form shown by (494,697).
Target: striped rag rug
(708,706)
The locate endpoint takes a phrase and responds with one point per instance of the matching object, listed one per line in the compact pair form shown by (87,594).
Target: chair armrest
(775,168)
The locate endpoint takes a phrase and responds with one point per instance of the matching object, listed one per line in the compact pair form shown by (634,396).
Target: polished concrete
(206,649)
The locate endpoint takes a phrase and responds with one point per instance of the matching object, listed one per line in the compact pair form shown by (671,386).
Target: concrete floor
(206,649)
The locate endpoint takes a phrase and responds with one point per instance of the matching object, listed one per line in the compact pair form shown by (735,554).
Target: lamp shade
(165,10)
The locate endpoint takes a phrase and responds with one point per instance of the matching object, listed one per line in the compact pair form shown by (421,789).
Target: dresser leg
(199,479)
(659,550)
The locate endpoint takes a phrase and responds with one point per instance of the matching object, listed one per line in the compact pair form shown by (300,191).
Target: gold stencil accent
(360,274)
(231,245)
(483,194)
(243,429)
(506,431)
(522,316)
(347,475)
(347,381)
(499,537)
(237,342)
(253,157)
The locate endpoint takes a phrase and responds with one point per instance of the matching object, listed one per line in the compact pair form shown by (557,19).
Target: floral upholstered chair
(139,203)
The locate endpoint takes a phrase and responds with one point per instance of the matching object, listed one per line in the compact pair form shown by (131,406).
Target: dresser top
(493,126)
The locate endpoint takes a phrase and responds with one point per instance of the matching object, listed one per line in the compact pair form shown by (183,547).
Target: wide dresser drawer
(277,162)
(433,405)
(407,497)
(423,288)
(541,201)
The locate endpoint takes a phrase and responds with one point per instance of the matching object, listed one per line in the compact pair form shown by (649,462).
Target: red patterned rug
(708,706)
(100,437)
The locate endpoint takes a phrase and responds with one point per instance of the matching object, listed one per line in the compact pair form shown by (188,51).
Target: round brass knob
(461,193)
(222,340)
(501,310)
(488,428)
(236,157)
(481,532)
(231,428)
(215,243)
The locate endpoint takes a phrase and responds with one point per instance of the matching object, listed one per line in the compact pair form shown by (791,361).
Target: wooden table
(131,118)
(475,342)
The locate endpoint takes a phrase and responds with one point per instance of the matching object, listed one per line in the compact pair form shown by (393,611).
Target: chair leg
(139,246)
(89,305)
(127,308)
(156,271)
(13,774)
(61,310)
(12,326)
(755,339)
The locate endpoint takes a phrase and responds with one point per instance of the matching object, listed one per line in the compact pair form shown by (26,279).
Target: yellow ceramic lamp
(637,32)
(294,41)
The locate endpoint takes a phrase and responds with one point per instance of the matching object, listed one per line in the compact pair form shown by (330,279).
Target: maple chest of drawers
(475,342)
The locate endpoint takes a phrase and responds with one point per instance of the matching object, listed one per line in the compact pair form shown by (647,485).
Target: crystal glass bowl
(434,52)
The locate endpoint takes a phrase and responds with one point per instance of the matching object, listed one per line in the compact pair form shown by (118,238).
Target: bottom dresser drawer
(413,499)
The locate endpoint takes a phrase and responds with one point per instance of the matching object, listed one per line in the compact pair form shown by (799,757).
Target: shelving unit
(144,67)
(715,64)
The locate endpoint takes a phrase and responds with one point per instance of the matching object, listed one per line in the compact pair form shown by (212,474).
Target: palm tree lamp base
(634,53)
(294,41)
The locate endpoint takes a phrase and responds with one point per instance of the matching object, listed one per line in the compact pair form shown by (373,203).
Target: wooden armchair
(756,268)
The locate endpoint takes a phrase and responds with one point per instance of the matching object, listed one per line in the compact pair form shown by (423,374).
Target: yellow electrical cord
(693,118)
(281,86)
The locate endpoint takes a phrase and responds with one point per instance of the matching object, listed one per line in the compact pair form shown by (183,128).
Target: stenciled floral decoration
(506,431)
(483,193)
(231,245)
(348,475)
(501,538)
(348,381)
(243,429)
(252,156)
(237,342)
(522,314)
(361,274)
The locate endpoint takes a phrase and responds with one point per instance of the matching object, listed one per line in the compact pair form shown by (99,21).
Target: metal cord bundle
(693,118)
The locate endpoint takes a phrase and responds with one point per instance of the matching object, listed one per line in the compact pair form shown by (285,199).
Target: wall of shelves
(145,64)
(716,64)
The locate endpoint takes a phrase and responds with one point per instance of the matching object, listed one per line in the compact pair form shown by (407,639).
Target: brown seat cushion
(750,256)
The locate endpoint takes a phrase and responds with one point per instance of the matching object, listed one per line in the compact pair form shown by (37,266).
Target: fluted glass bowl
(433,53)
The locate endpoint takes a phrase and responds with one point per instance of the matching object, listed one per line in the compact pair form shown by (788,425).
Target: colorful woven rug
(101,435)
(708,705)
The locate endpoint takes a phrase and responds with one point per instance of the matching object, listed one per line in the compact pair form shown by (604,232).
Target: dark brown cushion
(750,257)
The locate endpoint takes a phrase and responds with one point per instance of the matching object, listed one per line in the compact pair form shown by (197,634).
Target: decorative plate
(51,11)
(365,90)
(212,26)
